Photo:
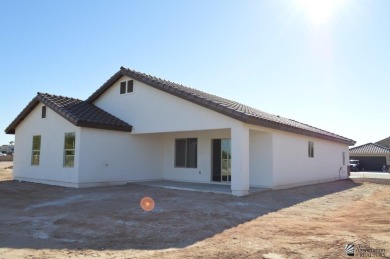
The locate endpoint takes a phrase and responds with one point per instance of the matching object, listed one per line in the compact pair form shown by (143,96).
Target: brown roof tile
(84,113)
(78,112)
(384,142)
(224,106)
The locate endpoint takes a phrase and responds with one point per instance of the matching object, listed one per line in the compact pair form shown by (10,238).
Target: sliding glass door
(222,160)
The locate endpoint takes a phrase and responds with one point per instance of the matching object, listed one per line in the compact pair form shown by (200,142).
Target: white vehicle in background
(354,165)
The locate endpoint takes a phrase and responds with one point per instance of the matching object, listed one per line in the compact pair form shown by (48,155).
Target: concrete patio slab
(198,187)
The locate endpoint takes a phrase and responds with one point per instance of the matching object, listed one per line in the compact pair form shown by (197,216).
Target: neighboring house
(163,130)
(384,142)
(371,156)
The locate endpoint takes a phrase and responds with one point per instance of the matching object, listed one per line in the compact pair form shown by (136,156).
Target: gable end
(77,112)
(223,106)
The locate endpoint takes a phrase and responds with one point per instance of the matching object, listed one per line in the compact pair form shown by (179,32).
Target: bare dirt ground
(40,221)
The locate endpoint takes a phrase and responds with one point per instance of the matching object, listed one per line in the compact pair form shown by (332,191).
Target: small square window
(43,112)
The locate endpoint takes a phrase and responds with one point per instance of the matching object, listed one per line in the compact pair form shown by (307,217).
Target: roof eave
(59,110)
(105,86)
(282,127)
(210,105)
(88,124)
(22,115)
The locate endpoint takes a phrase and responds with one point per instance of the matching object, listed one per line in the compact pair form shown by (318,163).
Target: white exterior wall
(293,167)
(150,110)
(240,160)
(260,156)
(129,157)
(203,171)
(276,158)
(260,159)
(52,130)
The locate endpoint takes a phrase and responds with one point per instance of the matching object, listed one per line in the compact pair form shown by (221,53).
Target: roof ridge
(194,90)
(235,102)
(174,83)
(383,139)
(60,109)
(54,95)
(370,143)
(361,145)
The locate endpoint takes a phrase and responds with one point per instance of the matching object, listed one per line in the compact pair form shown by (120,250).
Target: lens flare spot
(147,204)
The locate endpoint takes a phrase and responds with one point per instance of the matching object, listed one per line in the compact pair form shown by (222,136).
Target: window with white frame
(36,150)
(69,149)
(311,149)
(343,158)
(186,153)
(126,87)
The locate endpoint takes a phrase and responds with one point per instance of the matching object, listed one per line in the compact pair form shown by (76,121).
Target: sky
(325,63)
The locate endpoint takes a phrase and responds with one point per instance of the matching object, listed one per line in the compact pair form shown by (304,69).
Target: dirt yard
(39,221)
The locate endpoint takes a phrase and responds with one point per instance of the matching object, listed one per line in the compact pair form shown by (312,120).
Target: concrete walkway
(377,175)
(199,187)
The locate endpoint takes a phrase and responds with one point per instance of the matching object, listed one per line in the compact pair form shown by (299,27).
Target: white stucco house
(158,129)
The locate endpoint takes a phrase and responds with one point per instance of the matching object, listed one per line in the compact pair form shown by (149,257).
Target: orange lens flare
(147,204)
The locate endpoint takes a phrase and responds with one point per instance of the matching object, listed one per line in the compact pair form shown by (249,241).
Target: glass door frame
(221,156)
(226,160)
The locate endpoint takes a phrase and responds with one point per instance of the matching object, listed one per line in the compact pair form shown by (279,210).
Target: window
(69,149)
(43,111)
(36,150)
(126,87)
(343,158)
(311,149)
(130,86)
(123,88)
(186,153)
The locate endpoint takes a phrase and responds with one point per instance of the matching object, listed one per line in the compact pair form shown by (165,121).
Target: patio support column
(240,160)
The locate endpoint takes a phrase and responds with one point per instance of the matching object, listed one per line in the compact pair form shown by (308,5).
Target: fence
(6,158)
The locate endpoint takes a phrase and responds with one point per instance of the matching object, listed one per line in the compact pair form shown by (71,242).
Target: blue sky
(327,66)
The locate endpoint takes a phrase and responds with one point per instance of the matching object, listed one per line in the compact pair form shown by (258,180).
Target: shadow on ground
(40,216)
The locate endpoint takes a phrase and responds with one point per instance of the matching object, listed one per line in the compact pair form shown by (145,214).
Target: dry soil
(317,221)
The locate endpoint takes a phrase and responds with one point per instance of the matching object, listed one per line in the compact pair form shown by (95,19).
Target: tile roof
(384,142)
(86,114)
(78,112)
(224,106)
(370,148)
